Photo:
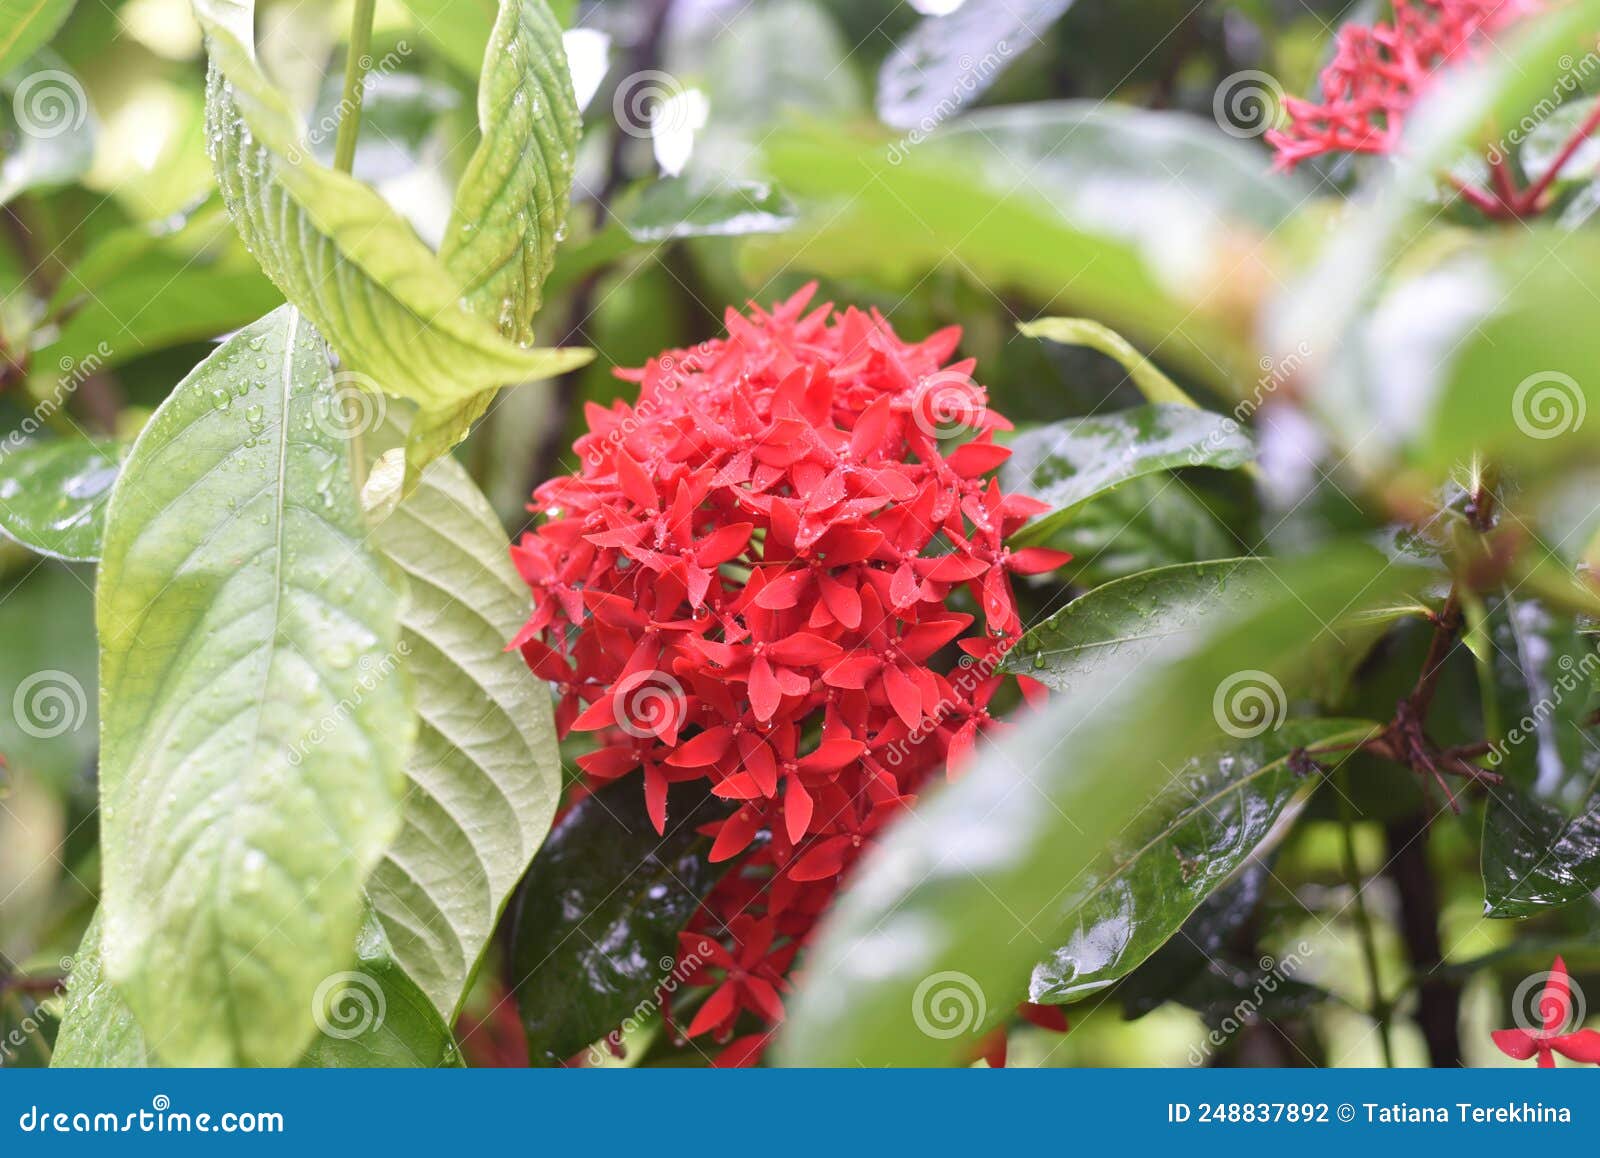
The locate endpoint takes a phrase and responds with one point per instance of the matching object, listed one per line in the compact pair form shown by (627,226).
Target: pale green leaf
(485,773)
(27,25)
(385,302)
(1146,375)
(254,717)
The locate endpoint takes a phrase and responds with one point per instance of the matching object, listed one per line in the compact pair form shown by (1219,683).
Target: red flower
(1556,1013)
(771,575)
(1378,72)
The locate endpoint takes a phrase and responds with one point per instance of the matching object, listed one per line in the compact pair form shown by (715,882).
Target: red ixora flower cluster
(1378,71)
(755,581)
(1557,1014)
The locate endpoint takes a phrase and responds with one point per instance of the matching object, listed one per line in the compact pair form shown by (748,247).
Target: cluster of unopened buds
(783,574)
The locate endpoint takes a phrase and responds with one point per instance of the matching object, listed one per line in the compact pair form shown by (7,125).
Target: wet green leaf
(53,495)
(681,207)
(1541,828)
(1068,463)
(393,311)
(935,70)
(598,917)
(254,711)
(1146,375)
(1214,812)
(485,772)
(46,126)
(968,899)
(1151,521)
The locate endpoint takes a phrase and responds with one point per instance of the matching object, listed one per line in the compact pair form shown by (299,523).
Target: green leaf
(598,917)
(254,718)
(385,302)
(370,1014)
(53,496)
(485,772)
(1215,812)
(374,1015)
(1133,619)
(511,204)
(1541,828)
(681,207)
(1146,375)
(27,25)
(1131,214)
(966,900)
(1148,522)
(461,28)
(931,73)
(46,127)
(1068,463)
(98,1030)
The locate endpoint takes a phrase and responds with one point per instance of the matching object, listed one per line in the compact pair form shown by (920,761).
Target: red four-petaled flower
(1556,1034)
(773,574)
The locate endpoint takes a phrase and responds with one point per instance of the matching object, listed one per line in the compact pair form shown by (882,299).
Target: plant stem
(1369,943)
(356,63)
(1530,196)
(1438,1012)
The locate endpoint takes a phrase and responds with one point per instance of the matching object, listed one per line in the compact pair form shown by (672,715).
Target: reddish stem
(1529,200)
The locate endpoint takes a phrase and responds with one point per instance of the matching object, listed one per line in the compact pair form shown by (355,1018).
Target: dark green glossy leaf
(967,900)
(53,496)
(1070,462)
(1134,618)
(1214,813)
(254,707)
(1541,829)
(1148,522)
(949,60)
(599,913)
(681,207)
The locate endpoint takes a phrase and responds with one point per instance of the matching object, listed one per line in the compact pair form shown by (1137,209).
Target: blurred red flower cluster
(1378,71)
(757,580)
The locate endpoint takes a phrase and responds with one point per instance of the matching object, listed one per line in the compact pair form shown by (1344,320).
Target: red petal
(765,695)
(823,861)
(735,835)
(764,997)
(1037,560)
(742,1052)
(702,750)
(784,591)
(977,458)
(853,671)
(1583,1046)
(870,430)
(723,544)
(903,696)
(722,1003)
(635,483)
(1517,1043)
(797,808)
(655,798)
(803,648)
(833,754)
(1045,1016)
(841,600)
